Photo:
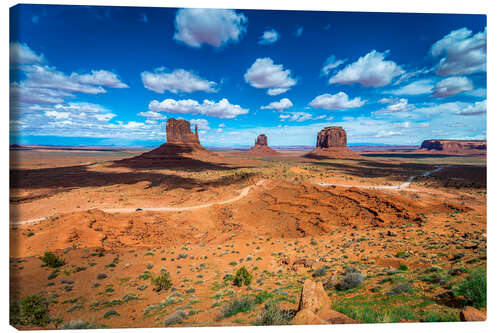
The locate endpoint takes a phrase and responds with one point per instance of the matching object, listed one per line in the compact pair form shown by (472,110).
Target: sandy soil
(263,213)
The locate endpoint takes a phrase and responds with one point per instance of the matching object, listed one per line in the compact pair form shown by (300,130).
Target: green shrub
(242,277)
(30,310)
(473,288)
(403,267)
(237,305)
(274,315)
(81,325)
(319,272)
(352,279)
(51,260)
(161,282)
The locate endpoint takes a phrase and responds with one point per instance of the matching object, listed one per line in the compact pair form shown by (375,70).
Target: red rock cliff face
(261,140)
(454,145)
(333,136)
(179,131)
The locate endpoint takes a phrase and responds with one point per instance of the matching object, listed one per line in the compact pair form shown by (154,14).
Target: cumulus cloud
(202,123)
(299,116)
(221,109)
(20,53)
(371,70)
(264,74)
(477,108)
(280,105)
(339,101)
(152,115)
(460,53)
(176,81)
(216,27)
(90,83)
(269,37)
(452,86)
(396,105)
(419,87)
(331,63)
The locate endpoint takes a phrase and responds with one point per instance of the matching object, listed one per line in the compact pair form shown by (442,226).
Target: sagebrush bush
(352,279)
(473,288)
(274,315)
(175,318)
(30,310)
(242,277)
(237,305)
(162,281)
(51,260)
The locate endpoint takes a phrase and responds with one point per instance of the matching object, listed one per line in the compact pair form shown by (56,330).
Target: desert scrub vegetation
(244,303)
(394,308)
(51,260)
(242,277)
(272,314)
(162,281)
(352,279)
(473,288)
(30,310)
(81,325)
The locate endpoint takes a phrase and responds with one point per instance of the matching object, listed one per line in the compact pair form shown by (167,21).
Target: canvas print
(229,167)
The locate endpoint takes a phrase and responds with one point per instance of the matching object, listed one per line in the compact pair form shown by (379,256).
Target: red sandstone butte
(261,147)
(332,143)
(179,131)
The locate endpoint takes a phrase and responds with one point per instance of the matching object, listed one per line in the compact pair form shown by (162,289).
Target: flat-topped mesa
(179,131)
(261,147)
(332,143)
(333,136)
(455,146)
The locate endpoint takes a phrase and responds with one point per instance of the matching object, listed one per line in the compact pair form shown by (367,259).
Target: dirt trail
(384,187)
(244,192)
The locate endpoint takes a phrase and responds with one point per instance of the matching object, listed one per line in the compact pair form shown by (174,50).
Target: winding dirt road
(244,192)
(384,187)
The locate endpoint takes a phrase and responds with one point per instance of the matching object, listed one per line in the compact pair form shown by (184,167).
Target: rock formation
(182,149)
(179,131)
(472,314)
(332,143)
(454,146)
(314,307)
(261,147)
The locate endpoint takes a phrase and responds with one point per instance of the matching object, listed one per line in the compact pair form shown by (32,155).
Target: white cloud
(264,74)
(100,78)
(269,37)
(20,93)
(221,109)
(396,105)
(176,81)
(461,53)
(216,27)
(479,92)
(57,114)
(299,116)
(281,105)
(152,115)
(419,87)
(339,101)
(477,108)
(371,70)
(105,116)
(452,86)
(202,123)
(50,78)
(20,53)
(330,64)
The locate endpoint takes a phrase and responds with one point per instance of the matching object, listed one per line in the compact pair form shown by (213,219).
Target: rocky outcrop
(179,131)
(472,314)
(314,307)
(333,136)
(331,142)
(455,146)
(261,147)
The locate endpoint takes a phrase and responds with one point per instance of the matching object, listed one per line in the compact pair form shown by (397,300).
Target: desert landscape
(184,236)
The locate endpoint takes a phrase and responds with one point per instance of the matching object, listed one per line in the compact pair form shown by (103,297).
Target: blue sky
(113,75)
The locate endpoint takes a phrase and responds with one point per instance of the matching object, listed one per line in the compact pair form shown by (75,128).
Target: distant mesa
(454,146)
(261,147)
(332,143)
(182,149)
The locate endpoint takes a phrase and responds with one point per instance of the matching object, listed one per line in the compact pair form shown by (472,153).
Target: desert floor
(117,226)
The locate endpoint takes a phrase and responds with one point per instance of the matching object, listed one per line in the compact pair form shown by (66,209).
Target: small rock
(472,314)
